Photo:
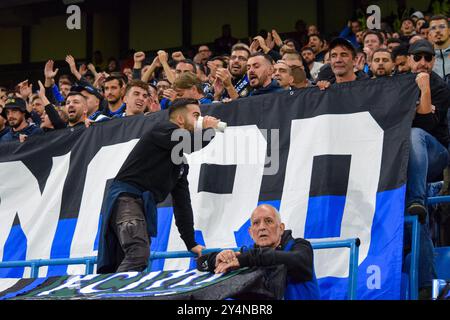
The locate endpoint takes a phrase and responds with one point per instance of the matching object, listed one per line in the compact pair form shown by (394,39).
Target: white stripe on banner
(7,283)
(217,216)
(335,135)
(38,214)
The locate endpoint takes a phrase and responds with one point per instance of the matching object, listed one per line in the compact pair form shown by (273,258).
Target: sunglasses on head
(428,57)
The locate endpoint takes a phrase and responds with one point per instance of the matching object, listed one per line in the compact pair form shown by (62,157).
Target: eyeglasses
(441,26)
(428,57)
(240,58)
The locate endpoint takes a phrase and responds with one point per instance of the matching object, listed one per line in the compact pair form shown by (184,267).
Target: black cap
(421,46)
(89,89)
(15,103)
(342,42)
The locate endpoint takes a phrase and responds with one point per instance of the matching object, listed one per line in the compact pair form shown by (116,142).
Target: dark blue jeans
(427,160)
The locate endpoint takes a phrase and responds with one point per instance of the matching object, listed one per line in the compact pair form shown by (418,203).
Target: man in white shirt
(309,58)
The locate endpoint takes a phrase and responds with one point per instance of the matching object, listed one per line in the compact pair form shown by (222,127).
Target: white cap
(418,15)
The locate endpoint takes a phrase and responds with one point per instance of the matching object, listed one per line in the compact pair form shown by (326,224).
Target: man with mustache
(382,64)
(94,100)
(152,171)
(114,89)
(316,43)
(273,246)
(259,73)
(428,156)
(232,82)
(309,58)
(76,108)
(16,113)
(439,35)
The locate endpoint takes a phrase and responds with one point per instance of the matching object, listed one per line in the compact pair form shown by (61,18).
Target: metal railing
(415,246)
(89,262)
(353,244)
(438,199)
(413,268)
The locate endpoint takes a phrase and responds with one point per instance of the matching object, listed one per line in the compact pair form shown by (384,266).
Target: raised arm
(163,58)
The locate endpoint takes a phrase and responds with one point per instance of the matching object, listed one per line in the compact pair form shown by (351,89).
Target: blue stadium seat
(442,260)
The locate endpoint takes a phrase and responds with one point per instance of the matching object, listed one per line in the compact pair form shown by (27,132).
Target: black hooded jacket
(299,260)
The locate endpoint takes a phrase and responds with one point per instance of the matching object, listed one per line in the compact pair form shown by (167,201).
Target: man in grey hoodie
(440,37)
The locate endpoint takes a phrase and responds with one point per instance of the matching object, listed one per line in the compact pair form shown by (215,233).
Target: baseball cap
(421,46)
(87,88)
(15,103)
(418,15)
(342,42)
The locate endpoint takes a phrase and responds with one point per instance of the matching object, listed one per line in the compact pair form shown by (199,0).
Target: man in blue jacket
(259,72)
(15,111)
(350,31)
(273,246)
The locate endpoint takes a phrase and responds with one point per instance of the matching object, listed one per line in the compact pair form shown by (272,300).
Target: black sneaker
(417,209)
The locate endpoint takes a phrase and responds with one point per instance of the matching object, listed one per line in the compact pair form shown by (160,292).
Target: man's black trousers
(129,226)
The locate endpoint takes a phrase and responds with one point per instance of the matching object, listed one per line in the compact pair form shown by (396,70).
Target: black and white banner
(333,162)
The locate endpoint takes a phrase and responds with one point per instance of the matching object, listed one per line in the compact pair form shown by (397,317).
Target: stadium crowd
(100,91)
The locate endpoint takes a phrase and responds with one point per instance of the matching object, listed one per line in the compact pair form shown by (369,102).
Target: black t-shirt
(326,74)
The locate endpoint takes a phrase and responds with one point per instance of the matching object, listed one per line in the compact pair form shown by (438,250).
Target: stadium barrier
(413,285)
(439,284)
(89,262)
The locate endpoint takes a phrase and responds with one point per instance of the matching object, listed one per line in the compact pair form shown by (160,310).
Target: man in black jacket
(149,174)
(259,72)
(428,154)
(273,246)
(429,135)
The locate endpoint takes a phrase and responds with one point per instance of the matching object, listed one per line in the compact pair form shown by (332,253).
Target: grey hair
(269,207)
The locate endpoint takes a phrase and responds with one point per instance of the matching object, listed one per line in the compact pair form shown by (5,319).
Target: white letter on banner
(72,283)
(91,287)
(217,216)
(38,214)
(357,135)
(74,20)
(105,165)
(374,277)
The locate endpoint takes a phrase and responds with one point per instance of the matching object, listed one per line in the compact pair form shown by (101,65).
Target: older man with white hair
(273,246)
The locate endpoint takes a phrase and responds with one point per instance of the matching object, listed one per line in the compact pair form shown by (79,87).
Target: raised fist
(139,56)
